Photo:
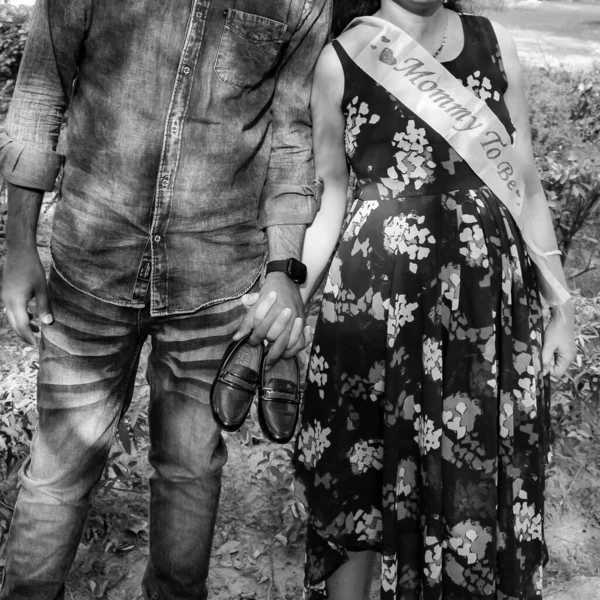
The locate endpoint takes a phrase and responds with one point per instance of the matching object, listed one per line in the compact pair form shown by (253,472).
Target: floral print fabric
(425,426)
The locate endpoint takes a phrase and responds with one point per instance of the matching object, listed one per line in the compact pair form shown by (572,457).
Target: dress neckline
(464,46)
(389,23)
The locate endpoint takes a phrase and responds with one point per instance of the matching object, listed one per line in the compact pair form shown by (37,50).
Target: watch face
(296,271)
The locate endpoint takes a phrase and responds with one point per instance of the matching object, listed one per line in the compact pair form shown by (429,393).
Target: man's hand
(24,276)
(276,314)
(24,279)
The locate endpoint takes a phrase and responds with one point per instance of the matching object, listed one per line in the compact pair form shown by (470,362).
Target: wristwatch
(293,268)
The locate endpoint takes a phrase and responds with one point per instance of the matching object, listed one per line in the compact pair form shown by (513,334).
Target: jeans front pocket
(249,48)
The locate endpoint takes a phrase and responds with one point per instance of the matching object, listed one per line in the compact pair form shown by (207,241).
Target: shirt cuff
(27,166)
(285,204)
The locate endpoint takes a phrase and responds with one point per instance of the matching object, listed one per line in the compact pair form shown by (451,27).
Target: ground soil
(553,34)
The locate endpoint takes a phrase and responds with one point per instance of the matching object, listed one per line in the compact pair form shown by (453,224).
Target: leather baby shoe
(279,399)
(236,383)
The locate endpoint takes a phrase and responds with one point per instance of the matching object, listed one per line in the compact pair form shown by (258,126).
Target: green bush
(14,27)
(18,414)
(577,395)
(586,112)
(573,190)
(561,105)
(564,112)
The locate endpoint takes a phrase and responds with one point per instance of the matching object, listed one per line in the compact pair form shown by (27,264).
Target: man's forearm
(24,206)
(43,90)
(289,193)
(285,241)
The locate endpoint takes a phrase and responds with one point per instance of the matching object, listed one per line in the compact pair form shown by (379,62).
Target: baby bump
(425,241)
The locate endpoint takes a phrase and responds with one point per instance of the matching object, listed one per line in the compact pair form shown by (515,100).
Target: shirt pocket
(249,48)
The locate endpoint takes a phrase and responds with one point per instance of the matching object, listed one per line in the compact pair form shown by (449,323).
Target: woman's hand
(299,338)
(559,343)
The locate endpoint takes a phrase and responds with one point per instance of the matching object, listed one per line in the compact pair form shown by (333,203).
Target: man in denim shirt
(187,160)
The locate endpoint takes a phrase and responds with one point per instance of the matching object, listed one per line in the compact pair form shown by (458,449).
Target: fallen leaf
(230,547)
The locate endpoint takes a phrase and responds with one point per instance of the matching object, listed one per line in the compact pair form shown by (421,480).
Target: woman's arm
(330,165)
(536,206)
(559,346)
(287,204)
(328,125)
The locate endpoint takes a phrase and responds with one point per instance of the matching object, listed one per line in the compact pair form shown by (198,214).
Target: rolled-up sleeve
(28,140)
(27,166)
(290,195)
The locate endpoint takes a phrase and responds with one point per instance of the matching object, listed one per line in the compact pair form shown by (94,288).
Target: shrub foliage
(14,27)
(565,121)
(586,112)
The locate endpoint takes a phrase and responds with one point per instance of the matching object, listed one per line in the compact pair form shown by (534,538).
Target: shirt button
(186,70)
(175,128)
(198,15)
(157,238)
(164,182)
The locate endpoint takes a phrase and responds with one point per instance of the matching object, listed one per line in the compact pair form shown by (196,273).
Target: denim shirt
(188,133)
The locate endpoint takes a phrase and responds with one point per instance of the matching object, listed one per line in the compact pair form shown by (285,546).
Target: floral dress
(425,428)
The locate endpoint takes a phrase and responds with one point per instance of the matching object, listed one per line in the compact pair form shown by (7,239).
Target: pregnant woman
(425,430)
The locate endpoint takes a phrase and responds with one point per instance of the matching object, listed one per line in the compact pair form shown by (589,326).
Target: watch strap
(277,265)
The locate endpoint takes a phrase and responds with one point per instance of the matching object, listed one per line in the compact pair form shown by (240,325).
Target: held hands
(276,314)
(559,344)
(23,280)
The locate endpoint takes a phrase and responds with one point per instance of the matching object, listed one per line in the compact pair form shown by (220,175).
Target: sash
(405,69)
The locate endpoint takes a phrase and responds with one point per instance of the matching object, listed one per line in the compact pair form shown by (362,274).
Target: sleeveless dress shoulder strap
(480,35)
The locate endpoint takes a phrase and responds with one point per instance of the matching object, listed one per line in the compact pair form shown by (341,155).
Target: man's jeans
(88,362)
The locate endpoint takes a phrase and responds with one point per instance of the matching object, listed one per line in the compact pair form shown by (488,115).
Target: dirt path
(554,34)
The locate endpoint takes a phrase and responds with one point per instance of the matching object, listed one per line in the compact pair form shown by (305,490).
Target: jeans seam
(137,322)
